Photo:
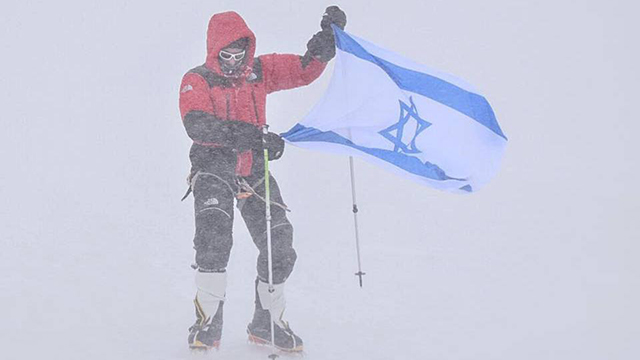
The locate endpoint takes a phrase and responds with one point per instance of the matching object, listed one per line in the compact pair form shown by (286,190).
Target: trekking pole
(267,200)
(359,274)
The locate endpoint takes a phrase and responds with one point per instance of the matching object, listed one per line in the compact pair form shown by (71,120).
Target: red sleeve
(194,95)
(285,71)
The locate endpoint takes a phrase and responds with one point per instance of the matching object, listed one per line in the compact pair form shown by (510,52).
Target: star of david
(402,134)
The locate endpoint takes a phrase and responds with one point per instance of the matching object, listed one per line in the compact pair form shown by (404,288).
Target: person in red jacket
(222,104)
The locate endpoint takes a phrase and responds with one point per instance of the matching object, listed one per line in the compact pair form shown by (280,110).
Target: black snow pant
(214,200)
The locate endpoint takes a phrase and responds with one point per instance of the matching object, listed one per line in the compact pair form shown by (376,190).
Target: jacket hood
(225,28)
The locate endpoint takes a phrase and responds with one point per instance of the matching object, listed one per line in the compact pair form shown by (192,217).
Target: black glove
(333,15)
(322,46)
(275,145)
(242,136)
(249,137)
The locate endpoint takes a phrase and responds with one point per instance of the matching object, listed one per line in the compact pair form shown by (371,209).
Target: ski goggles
(224,55)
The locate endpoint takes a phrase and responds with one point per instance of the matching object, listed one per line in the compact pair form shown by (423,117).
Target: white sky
(94,158)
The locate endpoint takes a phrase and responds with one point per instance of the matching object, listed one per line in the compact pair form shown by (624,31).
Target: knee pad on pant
(213,241)
(283,254)
(214,222)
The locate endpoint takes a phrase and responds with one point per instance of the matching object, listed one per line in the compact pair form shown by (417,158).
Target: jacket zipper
(255,106)
(215,112)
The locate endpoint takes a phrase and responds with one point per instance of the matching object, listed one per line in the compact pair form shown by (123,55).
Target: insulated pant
(214,199)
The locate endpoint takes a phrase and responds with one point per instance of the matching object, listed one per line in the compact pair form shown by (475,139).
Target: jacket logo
(186,88)
(211,202)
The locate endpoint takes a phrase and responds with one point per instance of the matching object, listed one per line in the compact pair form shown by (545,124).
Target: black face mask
(231,70)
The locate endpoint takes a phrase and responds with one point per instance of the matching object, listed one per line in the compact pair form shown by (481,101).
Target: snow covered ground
(95,245)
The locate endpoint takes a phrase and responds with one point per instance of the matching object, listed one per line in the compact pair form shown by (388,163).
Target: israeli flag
(415,121)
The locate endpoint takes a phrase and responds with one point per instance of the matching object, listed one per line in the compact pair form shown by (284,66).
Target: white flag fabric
(415,121)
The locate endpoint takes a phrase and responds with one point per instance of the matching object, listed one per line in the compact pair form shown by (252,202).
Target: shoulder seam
(257,70)
(210,77)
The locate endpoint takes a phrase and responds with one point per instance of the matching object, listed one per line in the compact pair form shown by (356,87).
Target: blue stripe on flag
(468,103)
(300,133)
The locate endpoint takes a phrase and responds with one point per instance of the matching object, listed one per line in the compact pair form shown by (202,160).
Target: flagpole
(267,200)
(359,274)
(354,208)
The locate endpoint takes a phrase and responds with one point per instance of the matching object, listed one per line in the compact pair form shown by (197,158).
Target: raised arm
(286,71)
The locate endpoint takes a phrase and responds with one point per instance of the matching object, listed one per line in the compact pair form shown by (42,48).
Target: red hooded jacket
(216,109)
